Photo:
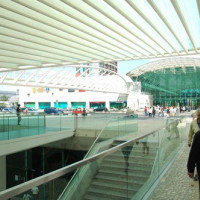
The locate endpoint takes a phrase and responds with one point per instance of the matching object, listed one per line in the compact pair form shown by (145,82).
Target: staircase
(122,174)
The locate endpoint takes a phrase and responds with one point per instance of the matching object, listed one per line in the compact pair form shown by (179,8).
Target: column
(87,104)
(69,105)
(108,105)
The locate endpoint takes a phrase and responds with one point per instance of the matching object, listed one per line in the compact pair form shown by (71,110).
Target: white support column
(134,95)
(108,105)
(69,105)
(87,104)
(2,173)
(37,105)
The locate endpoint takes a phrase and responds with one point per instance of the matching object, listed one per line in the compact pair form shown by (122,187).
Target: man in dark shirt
(18,114)
(194,157)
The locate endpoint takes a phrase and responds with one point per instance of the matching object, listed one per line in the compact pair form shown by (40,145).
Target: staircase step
(111,190)
(136,144)
(114,195)
(118,180)
(136,166)
(137,150)
(134,155)
(124,175)
(92,197)
(131,169)
(118,161)
(115,186)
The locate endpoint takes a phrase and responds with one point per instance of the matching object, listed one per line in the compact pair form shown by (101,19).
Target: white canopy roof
(73,77)
(44,33)
(173,62)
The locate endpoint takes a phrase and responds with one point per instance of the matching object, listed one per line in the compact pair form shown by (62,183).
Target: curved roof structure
(44,33)
(174,62)
(172,81)
(88,78)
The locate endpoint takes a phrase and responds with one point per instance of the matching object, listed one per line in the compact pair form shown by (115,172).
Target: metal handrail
(16,190)
(92,146)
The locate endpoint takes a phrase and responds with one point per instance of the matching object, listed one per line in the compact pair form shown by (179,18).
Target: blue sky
(126,66)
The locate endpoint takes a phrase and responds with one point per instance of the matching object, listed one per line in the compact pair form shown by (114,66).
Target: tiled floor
(175,184)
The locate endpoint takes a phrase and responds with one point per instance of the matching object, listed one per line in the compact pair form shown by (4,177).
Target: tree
(4,98)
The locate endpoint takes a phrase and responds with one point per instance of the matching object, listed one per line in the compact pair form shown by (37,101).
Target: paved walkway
(175,184)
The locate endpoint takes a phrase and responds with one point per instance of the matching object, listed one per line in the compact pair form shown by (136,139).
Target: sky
(126,66)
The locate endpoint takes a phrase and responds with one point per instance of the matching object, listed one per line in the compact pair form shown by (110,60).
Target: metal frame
(98,79)
(43,33)
(183,62)
(11,192)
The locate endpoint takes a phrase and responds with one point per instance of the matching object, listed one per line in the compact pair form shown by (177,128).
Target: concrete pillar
(36,105)
(87,104)
(69,105)
(108,105)
(2,173)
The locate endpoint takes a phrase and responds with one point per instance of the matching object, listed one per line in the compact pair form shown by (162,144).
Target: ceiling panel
(39,33)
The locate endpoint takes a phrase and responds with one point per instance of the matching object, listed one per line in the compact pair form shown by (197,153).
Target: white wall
(135,98)
(64,96)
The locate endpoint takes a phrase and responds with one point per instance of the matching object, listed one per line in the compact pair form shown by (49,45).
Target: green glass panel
(172,86)
(60,105)
(75,105)
(43,105)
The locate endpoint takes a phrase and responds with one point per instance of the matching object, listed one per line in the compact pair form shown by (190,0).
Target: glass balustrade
(124,169)
(41,124)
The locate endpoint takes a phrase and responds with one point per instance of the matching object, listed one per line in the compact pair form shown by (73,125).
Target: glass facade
(117,105)
(178,86)
(78,105)
(29,104)
(60,105)
(97,104)
(43,105)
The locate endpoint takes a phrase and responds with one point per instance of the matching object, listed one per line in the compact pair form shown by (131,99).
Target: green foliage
(4,98)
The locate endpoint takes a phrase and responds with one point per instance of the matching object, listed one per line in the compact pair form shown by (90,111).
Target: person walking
(150,112)
(26,111)
(194,127)
(18,114)
(172,128)
(84,113)
(154,111)
(145,111)
(194,158)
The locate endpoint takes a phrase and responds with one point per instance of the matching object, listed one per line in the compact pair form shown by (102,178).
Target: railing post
(60,122)
(44,120)
(8,130)
(75,124)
